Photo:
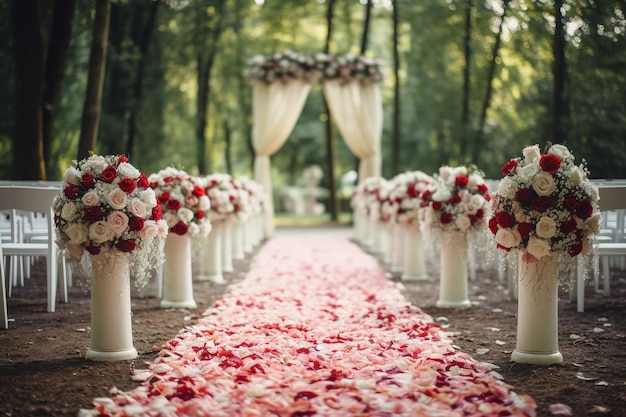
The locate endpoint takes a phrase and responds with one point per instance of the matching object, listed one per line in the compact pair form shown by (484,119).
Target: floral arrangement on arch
(183,201)
(106,206)
(458,200)
(545,206)
(406,195)
(287,66)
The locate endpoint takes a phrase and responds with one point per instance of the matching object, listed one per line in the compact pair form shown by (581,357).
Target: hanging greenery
(288,66)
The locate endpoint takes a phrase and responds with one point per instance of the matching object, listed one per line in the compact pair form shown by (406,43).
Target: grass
(285,219)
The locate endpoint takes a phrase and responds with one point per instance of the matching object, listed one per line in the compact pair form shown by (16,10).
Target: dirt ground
(43,371)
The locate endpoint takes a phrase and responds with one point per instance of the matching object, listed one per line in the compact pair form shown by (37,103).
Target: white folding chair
(612,198)
(4,319)
(39,200)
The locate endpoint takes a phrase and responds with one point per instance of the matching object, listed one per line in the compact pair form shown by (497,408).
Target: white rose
(187,187)
(163,228)
(77,233)
(126,170)
(137,208)
(205,229)
(544,184)
(90,199)
(118,222)
(507,188)
(149,231)
(117,199)
(594,223)
(444,172)
(455,172)
(527,172)
(576,175)
(170,218)
(474,181)
(72,176)
(185,214)
(562,152)
(509,238)
(148,197)
(546,227)
(477,201)
(100,232)
(97,163)
(193,229)
(441,194)
(531,153)
(69,212)
(538,247)
(463,223)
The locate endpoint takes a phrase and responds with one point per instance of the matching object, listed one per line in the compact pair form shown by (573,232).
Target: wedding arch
(280,85)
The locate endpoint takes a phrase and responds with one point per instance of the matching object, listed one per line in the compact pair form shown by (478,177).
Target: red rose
(122,158)
(198,191)
(163,197)
(71,191)
(179,228)
(143,181)
(550,163)
(157,213)
(87,179)
(135,223)
(509,167)
(480,214)
(167,180)
(461,181)
(125,245)
(584,209)
(437,205)
(237,207)
(571,203)
(483,189)
(109,174)
(445,217)
(541,204)
(172,204)
(525,229)
(576,248)
(411,191)
(200,215)
(426,194)
(493,225)
(127,185)
(455,199)
(94,250)
(505,219)
(568,226)
(231,198)
(93,214)
(525,196)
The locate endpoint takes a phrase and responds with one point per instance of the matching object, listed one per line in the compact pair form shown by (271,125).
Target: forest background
(466,82)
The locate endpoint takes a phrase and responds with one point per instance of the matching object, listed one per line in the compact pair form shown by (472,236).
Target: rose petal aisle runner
(315,329)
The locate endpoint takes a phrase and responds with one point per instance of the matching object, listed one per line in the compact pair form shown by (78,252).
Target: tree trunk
(490,76)
(28,44)
(466,80)
(330,153)
(95,80)
(144,41)
(395,135)
(205,61)
(559,100)
(58,46)
(366,26)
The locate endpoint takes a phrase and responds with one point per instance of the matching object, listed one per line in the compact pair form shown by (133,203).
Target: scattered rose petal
(560,409)
(493,329)
(482,351)
(500,343)
(598,330)
(599,409)
(602,383)
(497,310)
(580,375)
(575,336)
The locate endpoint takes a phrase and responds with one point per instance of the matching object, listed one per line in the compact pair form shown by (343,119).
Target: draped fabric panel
(276,108)
(356,109)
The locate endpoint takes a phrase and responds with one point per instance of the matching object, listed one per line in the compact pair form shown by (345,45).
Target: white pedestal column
(537,316)
(414,259)
(111,336)
(177,276)
(227,242)
(397,258)
(453,281)
(237,247)
(211,261)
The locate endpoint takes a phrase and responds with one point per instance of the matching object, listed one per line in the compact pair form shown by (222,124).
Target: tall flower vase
(414,259)
(177,276)
(537,317)
(211,256)
(237,242)
(397,258)
(227,243)
(453,280)
(111,336)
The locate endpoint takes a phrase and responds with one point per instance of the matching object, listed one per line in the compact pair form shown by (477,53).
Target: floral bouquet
(183,201)
(347,68)
(282,66)
(107,206)
(255,194)
(368,196)
(224,192)
(545,206)
(458,200)
(406,195)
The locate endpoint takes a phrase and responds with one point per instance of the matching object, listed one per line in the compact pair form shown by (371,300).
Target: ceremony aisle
(315,328)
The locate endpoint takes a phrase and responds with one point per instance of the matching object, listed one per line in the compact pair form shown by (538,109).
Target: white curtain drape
(276,108)
(356,109)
